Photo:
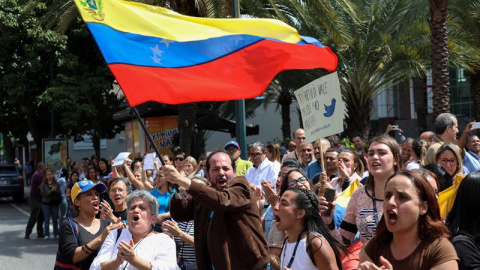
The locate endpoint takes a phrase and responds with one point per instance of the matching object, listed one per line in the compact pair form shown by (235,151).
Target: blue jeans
(50,211)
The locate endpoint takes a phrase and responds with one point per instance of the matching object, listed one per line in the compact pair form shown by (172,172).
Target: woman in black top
(464,222)
(82,237)
(118,190)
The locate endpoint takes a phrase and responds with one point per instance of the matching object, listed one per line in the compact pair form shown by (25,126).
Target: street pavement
(17,253)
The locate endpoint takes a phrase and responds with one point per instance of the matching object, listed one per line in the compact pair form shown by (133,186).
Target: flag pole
(240,130)
(150,139)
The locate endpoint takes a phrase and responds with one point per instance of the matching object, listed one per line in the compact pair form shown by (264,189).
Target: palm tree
(440,73)
(380,52)
(466,13)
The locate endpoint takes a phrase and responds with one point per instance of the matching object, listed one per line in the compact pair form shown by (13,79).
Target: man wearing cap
(233,148)
(228,232)
(36,214)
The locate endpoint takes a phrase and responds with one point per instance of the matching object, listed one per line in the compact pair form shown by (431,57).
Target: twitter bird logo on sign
(330,110)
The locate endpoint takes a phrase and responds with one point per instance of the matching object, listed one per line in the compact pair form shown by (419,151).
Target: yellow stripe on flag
(132,17)
(447,197)
(344,197)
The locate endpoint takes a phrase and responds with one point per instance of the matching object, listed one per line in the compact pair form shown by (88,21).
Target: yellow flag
(447,197)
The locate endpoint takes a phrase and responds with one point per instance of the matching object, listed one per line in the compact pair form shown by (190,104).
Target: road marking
(20,209)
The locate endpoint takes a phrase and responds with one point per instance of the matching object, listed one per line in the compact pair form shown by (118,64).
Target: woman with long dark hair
(411,234)
(309,244)
(51,198)
(464,222)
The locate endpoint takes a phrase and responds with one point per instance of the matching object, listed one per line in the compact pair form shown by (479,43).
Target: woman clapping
(139,246)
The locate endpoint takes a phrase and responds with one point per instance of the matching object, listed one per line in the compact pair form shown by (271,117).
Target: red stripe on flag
(241,75)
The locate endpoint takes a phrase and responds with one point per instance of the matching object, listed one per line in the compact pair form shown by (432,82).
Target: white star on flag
(156,51)
(166,42)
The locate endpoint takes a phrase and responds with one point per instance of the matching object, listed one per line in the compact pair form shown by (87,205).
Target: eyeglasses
(255,154)
(444,161)
(294,183)
(180,158)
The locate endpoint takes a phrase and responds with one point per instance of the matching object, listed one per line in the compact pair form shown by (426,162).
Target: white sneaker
(46,237)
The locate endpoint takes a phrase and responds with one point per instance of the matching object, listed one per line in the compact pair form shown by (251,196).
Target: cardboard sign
(322,107)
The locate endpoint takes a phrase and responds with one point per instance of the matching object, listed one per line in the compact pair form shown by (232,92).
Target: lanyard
(294,250)
(374,201)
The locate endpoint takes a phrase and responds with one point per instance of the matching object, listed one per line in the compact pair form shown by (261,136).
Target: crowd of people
(275,210)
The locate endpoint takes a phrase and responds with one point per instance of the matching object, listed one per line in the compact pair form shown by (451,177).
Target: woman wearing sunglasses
(180,162)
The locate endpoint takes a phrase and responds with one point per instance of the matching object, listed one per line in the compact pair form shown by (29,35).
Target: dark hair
(332,150)
(442,121)
(464,217)
(70,178)
(308,201)
(334,140)
(292,163)
(430,225)
(284,185)
(88,173)
(445,179)
(232,162)
(394,148)
(64,173)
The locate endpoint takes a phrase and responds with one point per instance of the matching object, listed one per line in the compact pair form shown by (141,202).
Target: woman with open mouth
(139,246)
(411,234)
(309,244)
(365,207)
(118,190)
(81,237)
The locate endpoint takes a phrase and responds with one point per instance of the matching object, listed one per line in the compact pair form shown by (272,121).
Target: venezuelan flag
(447,197)
(159,55)
(342,200)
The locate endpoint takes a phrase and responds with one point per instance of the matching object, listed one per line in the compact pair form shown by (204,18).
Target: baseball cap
(232,143)
(84,186)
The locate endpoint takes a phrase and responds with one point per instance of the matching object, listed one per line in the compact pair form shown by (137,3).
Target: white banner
(322,107)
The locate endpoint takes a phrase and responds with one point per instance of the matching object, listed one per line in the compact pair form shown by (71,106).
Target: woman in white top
(309,244)
(139,247)
(350,168)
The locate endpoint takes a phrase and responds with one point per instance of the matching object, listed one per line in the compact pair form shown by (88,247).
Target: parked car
(11,182)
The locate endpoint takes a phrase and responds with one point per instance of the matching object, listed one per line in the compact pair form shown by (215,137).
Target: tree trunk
(186,125)
(475,90)
(419,95)
(440,75)
(8,148)
(96,143)
(359,107)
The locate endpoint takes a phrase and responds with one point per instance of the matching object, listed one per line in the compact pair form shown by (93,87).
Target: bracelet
(85,250)
(88,248)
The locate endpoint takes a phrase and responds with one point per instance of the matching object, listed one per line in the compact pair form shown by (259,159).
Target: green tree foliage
(82,92)
(28,63)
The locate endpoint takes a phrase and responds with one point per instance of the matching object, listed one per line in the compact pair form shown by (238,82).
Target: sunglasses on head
(180,158)
(301,180)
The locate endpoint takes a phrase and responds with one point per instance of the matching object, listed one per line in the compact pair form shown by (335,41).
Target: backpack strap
(74,228)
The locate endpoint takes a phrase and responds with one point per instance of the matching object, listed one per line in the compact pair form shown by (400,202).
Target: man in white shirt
(262,168)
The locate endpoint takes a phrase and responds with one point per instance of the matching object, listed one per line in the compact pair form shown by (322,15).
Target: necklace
(294,250)
(136,245)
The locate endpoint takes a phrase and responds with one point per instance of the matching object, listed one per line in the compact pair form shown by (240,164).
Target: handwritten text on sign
(321,107)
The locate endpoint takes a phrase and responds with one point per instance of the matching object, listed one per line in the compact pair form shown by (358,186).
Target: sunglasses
(180,158)
(255,154)
(294,183)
